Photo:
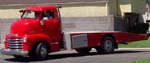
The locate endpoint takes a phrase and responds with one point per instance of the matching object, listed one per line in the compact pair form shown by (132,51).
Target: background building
(71,8)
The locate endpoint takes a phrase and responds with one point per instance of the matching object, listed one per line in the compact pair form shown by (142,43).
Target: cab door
(52,27)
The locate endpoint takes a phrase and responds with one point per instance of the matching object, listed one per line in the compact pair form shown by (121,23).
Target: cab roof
(39,8)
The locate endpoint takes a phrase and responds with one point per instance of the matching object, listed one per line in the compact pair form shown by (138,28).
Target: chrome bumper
(14,52)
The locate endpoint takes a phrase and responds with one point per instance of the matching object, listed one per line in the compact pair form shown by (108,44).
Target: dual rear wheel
(107,45)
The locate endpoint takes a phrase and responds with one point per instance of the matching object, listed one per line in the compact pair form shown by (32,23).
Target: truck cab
(39,27)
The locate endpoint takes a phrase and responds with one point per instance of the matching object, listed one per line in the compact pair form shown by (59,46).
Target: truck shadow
(70,55)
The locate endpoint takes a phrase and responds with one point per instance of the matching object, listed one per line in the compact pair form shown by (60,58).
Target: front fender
(32,39)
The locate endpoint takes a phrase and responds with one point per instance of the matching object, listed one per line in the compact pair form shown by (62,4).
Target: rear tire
(83,50)
(107,45)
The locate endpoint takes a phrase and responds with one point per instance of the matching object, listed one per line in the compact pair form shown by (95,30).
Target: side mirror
(45,19)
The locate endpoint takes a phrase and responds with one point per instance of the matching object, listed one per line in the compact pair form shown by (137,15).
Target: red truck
(41,30)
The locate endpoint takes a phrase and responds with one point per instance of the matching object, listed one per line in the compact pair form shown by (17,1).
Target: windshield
(29,14)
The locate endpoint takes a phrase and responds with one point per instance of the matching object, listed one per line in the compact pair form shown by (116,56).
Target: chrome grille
(14,43)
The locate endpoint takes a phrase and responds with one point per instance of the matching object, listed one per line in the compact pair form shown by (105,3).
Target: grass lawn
(141,61)
(137,44)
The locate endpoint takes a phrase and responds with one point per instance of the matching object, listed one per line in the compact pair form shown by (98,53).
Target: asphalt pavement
(119,56)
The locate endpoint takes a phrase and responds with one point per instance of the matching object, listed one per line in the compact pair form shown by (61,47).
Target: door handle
(41,23)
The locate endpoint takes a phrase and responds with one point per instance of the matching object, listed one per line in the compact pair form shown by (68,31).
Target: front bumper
(14,52)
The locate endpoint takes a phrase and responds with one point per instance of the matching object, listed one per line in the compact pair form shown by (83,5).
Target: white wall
(86,11)
(9,13)
(92,9)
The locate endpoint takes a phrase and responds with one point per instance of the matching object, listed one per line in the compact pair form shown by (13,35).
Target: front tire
(107,45)
(41,51)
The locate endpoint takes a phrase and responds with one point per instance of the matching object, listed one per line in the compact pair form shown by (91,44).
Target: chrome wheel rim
(43,51)
(108,45)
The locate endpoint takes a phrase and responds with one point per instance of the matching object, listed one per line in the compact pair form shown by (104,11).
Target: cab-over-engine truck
(41,30)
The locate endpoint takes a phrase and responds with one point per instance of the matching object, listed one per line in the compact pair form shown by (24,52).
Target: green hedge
(137,44)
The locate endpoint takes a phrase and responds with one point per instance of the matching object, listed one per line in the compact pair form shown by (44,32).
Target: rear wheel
(107,45)
(83,50)
(40,52)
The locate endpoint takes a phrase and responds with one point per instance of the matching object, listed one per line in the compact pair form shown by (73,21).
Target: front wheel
(41,51)
(107,45)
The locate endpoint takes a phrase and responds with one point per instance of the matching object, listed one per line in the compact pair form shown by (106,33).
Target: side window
(49,14)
